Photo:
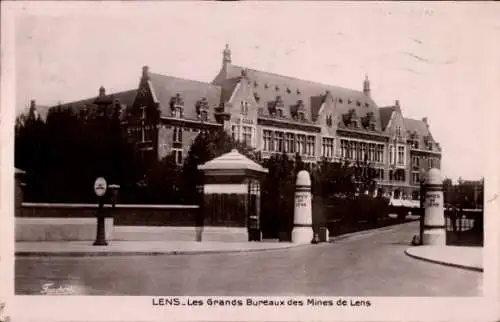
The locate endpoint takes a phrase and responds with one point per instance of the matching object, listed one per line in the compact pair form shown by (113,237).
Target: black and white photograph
(232,154)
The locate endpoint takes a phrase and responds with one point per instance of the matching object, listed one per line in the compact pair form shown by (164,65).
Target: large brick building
(275,114)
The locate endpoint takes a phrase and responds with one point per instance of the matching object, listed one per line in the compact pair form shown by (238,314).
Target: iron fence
(464,227)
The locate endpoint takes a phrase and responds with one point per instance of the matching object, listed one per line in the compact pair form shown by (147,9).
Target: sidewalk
(470,258)
(131,248)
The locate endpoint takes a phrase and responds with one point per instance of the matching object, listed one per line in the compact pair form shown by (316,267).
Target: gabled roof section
(385,116)
(268,86)
(166,87)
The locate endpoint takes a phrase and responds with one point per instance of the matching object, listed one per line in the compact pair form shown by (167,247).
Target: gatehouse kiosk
(231,197)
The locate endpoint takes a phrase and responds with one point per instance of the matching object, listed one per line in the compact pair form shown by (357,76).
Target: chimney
(226,56)
(32,104)
(102,91)
(366,86)
(145,72)
(426,121)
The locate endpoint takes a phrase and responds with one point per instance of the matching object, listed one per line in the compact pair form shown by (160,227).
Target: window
(344,148)
(289,143)
(302,116)
(204,116)
(415,160)
(380,153)
(235,133)
(352,150)
(416,178)
(301,144)
(267,140)
(398,131)
(177,135)
(371,152)
(327,147)
(279,112)
(401,155)
(178,111)
(310,145)
(359,153)
(278,141)
(247,135)
(244,107)
(177,155)
(364,154)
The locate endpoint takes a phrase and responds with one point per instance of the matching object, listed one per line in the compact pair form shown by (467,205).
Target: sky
(440,60)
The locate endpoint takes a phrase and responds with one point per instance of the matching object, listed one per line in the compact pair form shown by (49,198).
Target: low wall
(149,233)
(77,222)
(123,215)
(55,229)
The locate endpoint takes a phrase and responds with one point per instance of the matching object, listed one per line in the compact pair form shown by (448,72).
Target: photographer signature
(49,289)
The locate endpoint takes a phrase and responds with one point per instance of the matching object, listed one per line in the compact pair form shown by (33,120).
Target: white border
(27,308)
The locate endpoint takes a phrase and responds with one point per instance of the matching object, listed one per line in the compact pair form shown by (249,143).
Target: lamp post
(100,188)
(422,204)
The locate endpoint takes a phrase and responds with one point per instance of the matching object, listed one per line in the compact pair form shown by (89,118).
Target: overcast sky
(441,60)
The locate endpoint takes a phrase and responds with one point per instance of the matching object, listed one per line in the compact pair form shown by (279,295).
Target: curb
(366,232)
(149,253)
(465,267)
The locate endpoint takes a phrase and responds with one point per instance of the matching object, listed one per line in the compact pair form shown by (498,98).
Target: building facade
(277,114)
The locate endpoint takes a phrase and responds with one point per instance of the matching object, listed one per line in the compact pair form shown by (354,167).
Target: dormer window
(288,90)
(277,88)
(341,101)
(349,101)
(358,103)
(398,131)
(276,107)
(256,97)
(176,105)
(266,86)
(201,107)
(367,105)
(298,111)
(255,84)
(298,91)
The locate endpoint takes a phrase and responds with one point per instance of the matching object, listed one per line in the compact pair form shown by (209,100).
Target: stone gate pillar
(231,198)
(434,221)
(302,232)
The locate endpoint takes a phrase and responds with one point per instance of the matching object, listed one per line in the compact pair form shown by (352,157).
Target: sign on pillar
(434,222)
(302,232)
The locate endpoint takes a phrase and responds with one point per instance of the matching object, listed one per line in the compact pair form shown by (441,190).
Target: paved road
(367,265)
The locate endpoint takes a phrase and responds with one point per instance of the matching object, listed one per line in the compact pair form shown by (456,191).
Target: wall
(123,215)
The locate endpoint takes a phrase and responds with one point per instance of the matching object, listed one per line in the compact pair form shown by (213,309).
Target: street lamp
(422,203)
(100,188)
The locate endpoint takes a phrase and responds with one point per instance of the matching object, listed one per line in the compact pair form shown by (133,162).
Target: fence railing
(464,227)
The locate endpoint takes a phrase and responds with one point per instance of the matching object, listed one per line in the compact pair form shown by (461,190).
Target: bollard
(302,232)
(434,224)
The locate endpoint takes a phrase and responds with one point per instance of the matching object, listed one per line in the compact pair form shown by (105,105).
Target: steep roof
(125,98)
(417,126)
(268,86)
(166,87)
(385,116)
